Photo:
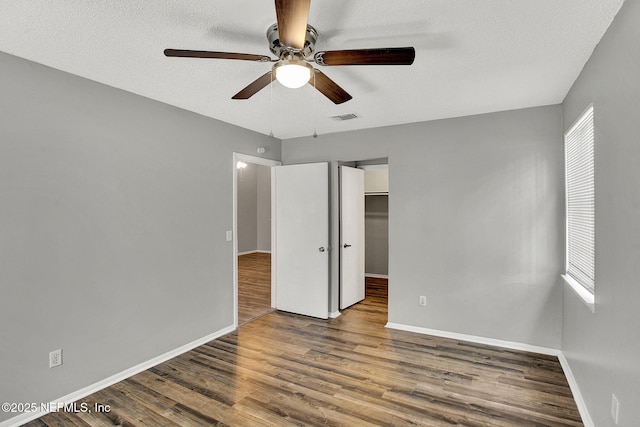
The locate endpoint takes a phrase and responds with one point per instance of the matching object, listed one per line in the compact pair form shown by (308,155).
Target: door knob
(346,246)
(321,248)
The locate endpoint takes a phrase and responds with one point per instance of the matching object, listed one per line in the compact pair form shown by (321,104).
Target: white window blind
(579,158)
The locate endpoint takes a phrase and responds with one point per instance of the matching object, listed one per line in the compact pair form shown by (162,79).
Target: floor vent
(343,117)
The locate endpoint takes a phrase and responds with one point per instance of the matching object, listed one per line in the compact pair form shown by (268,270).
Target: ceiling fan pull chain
(315,116)
(271,108)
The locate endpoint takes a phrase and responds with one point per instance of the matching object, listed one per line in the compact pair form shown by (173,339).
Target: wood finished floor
(254,286)
(288,370)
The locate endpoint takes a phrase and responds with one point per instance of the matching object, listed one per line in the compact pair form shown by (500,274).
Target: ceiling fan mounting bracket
(282,51)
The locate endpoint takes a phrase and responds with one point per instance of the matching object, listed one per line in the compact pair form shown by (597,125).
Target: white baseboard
(86,391)
(253,252)
(377,276)
(476,339)
(331,315)
(577,396)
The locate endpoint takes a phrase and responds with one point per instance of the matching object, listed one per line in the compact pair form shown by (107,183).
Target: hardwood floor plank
(402,414)
(62,418)
(270,415)
(222,413)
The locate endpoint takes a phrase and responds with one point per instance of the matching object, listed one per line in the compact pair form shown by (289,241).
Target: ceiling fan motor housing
(283,52)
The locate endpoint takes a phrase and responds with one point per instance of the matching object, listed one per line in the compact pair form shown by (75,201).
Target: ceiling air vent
(343,117)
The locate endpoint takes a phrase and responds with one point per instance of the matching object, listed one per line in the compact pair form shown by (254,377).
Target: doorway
(376,220)
(296,183)
(252,228)
(376,227)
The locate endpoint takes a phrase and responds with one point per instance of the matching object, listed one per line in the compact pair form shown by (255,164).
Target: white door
(351,236)
(301,238)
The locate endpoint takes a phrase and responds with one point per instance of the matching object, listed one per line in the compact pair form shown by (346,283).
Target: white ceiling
(472,56)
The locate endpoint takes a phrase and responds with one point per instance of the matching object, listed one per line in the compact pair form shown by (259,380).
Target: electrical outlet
(423,301)
(55,358)
(615,408)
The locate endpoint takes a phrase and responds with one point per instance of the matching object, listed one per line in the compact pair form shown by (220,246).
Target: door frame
(237,157)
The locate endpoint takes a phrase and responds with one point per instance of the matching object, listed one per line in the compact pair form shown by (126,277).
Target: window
(579,165)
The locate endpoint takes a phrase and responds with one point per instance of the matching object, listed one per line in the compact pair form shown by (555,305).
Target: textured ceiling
(472,56)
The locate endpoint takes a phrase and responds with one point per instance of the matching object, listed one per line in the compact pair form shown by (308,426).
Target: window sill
(585,296)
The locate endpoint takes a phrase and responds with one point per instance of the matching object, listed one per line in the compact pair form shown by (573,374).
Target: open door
(301,238)
(352,286)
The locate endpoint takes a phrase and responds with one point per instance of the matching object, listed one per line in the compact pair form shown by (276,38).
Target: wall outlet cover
(55,358)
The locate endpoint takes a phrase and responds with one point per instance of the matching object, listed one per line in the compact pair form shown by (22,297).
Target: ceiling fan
(293,41)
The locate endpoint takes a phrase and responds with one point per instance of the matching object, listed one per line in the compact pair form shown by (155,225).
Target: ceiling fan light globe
(293,74)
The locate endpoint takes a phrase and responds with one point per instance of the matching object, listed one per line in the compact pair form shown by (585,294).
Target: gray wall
(247,209)
(603,349)
(113,211)
(476,220)
(376,234)
(254,208)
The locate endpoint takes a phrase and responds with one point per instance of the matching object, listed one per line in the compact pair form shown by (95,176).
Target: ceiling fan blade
(329,88)
(292,22)
(219,55)
(254,87)
(382,56)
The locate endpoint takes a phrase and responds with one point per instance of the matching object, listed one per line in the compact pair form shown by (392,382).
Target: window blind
(579,158)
